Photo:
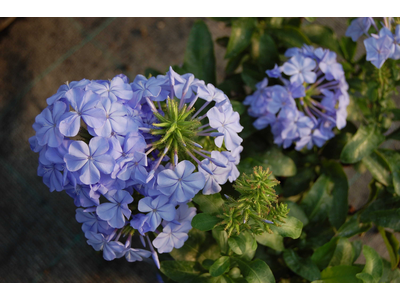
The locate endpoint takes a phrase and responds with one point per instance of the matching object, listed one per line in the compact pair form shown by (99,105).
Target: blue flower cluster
(309,104)
(380,46)
(99,140)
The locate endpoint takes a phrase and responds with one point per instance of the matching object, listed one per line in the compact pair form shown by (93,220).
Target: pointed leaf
(222,239)
(220,266)
(280,164)
(338,212)
(366,140)
(303,267)
(378,167)
(373,266)
(392,245)
(264,50)
(199,55)
(204,221)
(256,271)
(340,274)
(353,227)
(392,158)
(317,201)
(343,254)
(274,241)
(243,245)
(299,182)
(296,211)
(323,255)
(240,38)
(209,204)
(291,228)
(181,271)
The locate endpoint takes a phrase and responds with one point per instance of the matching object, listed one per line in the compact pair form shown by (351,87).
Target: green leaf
(384,211)
(303,267)
(204,221)
(209,204)
(366,140)
(274,241)
(373,266)
(222,239)
(199,247)
(290,36)
(334,146)
(291,228)
(220,266)
(322,36)
(348,48)
(395,135)
(396,114)
(299,182)
(357,247)
(181,271)
(297,212)
(243,245)
(199,55)
(190,250)
(389,276)
(393,160)
(251,75)
(264,50)
(317,201)
(323,255)
(280,164)
(392,245)
(240,38)
(340,274)
(343,254)
(256,271)
(239,107)
(353,227)
(338,212)
(378,167)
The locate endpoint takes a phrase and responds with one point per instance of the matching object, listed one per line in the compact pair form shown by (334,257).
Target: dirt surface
(40,239)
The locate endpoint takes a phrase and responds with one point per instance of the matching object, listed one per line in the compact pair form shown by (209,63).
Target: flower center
(177,130)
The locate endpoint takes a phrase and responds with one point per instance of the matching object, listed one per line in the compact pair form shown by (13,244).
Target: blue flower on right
(380,46)
(308,104)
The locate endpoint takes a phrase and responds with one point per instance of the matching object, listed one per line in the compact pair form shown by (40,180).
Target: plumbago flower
(127,153)
(381,45)
(309,104)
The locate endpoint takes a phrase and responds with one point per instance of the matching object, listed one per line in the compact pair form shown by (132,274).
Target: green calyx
(177,130)
(257,205)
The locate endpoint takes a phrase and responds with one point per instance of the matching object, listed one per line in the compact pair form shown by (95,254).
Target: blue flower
(275,72)
(90,160)
(91,222)
(181,184)
(378,50)
(46,123)
(114,90)
(296,109)
(173,236)
(133,255)
(65,88)
(226,121)
(158,209)
(217,176)
(115,211)
(85,106)
(299,68)
(358,27)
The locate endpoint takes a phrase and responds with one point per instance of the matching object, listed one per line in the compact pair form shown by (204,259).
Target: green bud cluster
(176,128)
(256,207)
